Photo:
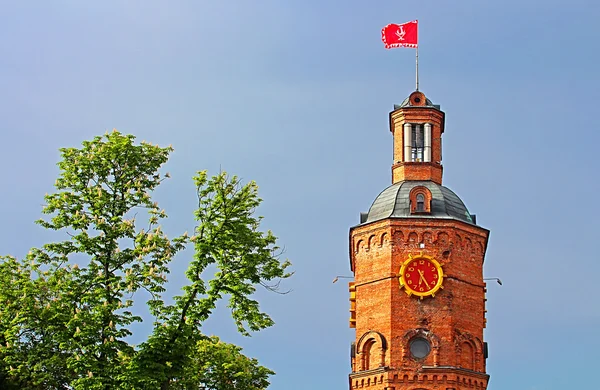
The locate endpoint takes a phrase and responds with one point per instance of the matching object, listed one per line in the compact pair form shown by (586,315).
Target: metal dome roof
(407,103)
(394,202)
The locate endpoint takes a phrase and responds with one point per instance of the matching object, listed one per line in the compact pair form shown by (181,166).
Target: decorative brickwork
(408,342)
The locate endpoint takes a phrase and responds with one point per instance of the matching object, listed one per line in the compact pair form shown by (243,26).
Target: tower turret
(417,126)
(418,295)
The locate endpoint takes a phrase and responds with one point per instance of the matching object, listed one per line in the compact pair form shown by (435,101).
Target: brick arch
(371,348)
(443,238)
(479,248)
(435,340)
(469,351)
(383,239)
(479,359)
(458,239)
(466,336)
(468,244)
(359,244)
(398,235)
(370,242)
(413,237)
(427,237)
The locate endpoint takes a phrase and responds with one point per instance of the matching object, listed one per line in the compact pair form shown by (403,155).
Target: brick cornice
(375,371)
(386,227)
(417,222)
(403,114)
(444,370)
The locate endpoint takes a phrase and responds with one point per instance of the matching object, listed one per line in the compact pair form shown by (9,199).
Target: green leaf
(65,320)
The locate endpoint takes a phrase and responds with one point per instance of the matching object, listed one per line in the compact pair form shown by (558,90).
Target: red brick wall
(417,171)
(453,320)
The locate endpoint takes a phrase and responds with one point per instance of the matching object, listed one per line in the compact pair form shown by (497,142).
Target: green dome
(394,202)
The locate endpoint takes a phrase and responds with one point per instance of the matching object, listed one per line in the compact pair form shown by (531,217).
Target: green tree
(65,309)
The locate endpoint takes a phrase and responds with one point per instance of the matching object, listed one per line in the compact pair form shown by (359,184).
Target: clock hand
(423,279)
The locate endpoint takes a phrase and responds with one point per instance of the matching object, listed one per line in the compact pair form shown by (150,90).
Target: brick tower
(418,295)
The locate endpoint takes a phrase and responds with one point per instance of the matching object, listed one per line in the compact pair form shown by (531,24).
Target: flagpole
(417,60)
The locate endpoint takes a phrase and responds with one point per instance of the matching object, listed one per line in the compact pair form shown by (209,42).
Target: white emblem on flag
(400,33)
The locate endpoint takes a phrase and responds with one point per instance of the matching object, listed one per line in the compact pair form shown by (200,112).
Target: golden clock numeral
(407,275)
(421,289)
(421,262)
(409,282)
(411,269)
(433,269)
(435,276)
(414,263)
(428,264)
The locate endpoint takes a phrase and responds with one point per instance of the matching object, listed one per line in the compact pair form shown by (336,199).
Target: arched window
(370,355)
(370,350)
(420,203)
(420,200)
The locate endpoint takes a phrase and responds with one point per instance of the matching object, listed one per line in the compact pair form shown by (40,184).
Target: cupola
(417,126)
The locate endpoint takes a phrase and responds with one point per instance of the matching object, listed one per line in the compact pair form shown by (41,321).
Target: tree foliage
(66,308)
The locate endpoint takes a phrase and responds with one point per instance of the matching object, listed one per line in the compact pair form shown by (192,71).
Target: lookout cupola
(417,126)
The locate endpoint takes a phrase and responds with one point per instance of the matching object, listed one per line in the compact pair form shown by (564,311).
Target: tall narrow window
(420,203)
(418,142)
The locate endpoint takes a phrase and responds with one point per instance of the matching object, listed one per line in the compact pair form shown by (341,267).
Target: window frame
(417,149)
(415,194)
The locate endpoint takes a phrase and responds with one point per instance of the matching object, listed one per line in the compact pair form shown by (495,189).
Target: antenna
(417,60)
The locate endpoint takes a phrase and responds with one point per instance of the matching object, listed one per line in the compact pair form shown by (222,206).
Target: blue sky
(296,95)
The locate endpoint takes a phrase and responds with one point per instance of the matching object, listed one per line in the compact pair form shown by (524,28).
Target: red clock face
(421,275)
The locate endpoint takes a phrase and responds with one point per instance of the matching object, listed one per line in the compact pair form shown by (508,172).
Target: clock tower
(418,295)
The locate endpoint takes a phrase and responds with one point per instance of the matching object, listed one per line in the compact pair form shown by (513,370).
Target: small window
(419,348)
(420,200)
(420,203)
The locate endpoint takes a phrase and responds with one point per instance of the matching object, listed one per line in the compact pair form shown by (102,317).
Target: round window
(419,348)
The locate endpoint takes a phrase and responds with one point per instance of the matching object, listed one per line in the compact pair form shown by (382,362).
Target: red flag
(400,35)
